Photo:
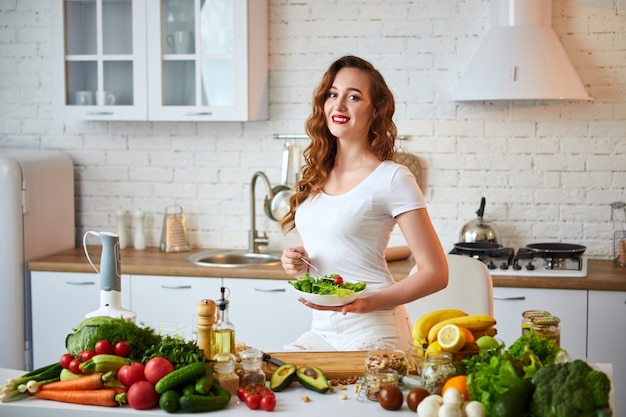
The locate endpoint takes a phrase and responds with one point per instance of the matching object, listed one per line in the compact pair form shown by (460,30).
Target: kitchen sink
(233,259)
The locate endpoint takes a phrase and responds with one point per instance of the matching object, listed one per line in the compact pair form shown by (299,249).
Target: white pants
(331,331)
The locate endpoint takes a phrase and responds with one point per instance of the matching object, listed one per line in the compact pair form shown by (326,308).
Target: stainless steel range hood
(520,58)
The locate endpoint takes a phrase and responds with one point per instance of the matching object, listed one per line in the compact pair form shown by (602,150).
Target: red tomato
(268,402)
(156,368)
(85,355)
(74,367)
(121,348)
(242,393)
(142,396)
(253,401)
(65,361)
(338,280)
(103,347)
(130,374)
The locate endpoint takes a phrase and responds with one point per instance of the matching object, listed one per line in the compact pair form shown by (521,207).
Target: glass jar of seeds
(437,368)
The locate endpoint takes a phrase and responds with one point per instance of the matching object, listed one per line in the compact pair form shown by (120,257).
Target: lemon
(451,338)
(487,342)
(434,347)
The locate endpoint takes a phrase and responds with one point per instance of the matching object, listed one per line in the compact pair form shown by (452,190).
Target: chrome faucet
(254,240)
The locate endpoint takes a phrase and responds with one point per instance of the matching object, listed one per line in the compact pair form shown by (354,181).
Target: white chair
(470,288)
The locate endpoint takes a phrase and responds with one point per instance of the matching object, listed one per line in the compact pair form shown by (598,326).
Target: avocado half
(283,376)
(313,378)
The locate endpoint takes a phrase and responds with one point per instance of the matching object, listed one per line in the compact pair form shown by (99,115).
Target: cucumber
(180,376)
(203,384)
(203,403)
(169,401)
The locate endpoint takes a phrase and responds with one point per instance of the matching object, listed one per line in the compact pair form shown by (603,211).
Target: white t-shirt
(347,234)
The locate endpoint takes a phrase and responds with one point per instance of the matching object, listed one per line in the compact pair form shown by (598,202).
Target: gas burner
(497,258)
(529,261)
(551,260)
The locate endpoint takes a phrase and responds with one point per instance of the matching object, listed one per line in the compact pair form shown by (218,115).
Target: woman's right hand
(291,260)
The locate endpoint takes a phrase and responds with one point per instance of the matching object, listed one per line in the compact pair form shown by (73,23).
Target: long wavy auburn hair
(319,155)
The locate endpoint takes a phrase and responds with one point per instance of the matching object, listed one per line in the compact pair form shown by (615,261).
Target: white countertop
(288,402)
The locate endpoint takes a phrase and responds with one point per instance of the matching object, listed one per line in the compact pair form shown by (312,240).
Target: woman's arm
(431,275)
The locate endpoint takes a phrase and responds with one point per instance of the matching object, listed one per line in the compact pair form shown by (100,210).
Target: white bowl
(328,300)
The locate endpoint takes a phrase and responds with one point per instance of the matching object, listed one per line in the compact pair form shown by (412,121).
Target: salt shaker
(139,238)
(121,228)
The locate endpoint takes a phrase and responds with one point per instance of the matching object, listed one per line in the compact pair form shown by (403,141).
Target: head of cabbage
(91,330)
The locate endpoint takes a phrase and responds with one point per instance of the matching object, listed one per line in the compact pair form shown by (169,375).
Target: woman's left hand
(360,305)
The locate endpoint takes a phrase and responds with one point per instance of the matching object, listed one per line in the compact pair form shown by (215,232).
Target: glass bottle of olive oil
(223,331)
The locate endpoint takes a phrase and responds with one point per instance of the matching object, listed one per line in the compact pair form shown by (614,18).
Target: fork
(306,261)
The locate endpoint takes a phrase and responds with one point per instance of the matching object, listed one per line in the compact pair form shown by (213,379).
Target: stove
(528,263)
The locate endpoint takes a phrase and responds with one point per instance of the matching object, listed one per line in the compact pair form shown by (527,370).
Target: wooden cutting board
(334,364)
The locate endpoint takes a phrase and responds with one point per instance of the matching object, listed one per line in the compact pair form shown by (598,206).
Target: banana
(472,322)
(426,321)
(488,332)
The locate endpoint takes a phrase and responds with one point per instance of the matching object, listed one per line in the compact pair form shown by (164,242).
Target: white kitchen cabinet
(166,299)
(606,338)
(59,302)
(98,53)
(208,60)
(176,60)
(569,305)
(266,313)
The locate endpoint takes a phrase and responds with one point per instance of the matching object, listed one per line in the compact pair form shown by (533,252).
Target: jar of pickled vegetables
(529,315)
(548,327)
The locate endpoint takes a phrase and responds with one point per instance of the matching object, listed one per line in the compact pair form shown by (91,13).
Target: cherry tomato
(103,346)
(268,402)
(253,400)
(65,361)
(121,348)
(242,393)
(338,280)
(74,367)
(85,355)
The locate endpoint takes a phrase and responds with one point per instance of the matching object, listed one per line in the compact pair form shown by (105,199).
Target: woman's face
(348,107)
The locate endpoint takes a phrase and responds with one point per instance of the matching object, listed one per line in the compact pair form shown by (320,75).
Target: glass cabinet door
(200,63)
(98,59)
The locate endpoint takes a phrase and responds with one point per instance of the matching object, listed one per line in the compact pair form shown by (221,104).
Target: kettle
(110,277)
(479,230)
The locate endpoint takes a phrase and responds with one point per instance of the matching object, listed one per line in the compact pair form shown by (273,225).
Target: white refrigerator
(36,220)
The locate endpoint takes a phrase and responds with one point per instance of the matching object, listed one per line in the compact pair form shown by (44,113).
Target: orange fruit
(469,336)
(459,382)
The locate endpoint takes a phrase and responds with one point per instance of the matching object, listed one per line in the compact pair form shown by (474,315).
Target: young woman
(345,207)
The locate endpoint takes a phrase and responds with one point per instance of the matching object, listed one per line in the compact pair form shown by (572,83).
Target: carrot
(90,381)
(106,397)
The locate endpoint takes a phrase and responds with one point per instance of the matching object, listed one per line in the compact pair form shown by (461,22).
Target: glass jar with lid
(224,368)
(529,315)
(547,326)
(436,370)
(252,367)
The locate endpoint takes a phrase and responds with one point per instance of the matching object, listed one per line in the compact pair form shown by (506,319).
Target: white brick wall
(548,171)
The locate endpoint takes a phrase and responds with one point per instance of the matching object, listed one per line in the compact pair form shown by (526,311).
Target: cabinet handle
(269,289)
(176,287)
(519,297)
(201,113)
(80,282)
(100,113)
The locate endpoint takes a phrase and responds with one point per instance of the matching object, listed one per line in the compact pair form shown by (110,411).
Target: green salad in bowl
(329,290)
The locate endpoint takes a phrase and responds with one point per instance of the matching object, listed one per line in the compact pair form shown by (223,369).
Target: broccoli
(545,349)
(571,389)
